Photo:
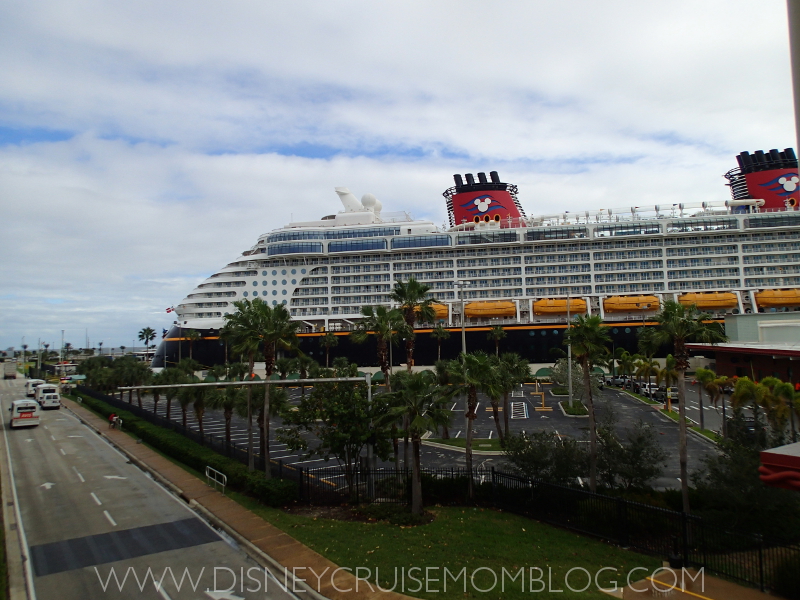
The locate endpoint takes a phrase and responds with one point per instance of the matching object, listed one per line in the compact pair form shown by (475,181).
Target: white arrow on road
(222,595)
(47,485)
(114,477)
(29,440)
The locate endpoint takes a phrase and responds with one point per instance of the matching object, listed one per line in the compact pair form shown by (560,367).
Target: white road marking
(52,437)
(75,436)
(490,434)
(45,426)
(110,519)
(79,475)
(459,433)
(163,593)
(29,440)
(96,499)
(47,485)
(62,451)
(114,477)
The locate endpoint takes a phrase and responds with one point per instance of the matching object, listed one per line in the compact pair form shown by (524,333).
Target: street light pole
(461,285)
(569,354)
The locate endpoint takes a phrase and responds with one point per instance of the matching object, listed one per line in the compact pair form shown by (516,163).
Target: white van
(30,386)
(47,395)
(24,413)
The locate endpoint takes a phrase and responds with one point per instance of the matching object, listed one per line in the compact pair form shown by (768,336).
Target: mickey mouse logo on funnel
(483,202)
(771,176)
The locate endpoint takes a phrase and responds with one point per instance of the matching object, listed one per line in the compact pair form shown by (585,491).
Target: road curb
(663,416)
(462,450)
(16,553)
(258,555)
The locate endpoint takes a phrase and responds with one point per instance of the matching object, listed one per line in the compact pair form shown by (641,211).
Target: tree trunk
(405,443)
(496,415)
(265,447)
(505,413)
(473,401)
(228,415)
(130,396)
(439,354)
(200,422)
(183,408)
(139,397)
(416,481)
(169,408)
(592,425)
(682,439)
(251,459)
(700,403)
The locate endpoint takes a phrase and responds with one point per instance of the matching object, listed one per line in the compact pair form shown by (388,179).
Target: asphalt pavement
(89,518)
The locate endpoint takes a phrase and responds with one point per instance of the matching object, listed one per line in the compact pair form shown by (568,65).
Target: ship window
(274,272)
(283,282)
(263,283)
(289,236)
(303,271)
(283,292)
(274,282)
(687,225)
(357,246)
(421,241)
(361,233)
(294,248)
(556,233)
(487,237)
(274,292)
(782,220)
(294,271)
(283,272)
(294,281)
(274,302)
(255,283)
(627,229)
(264,273)
(244,294)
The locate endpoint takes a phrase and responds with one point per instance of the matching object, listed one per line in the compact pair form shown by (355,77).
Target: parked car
(665,393)
(616,380)
(648,389)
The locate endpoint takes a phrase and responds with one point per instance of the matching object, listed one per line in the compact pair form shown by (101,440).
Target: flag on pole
(170,309)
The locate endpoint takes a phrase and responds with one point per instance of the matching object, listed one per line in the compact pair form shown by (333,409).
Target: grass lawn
(477,444)
(575,409)
(471,538)
(674,416)
(712,435)
(644,399)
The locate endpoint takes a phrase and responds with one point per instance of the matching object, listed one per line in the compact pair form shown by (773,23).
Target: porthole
(255,283)
(555,332)
(274,272)
(294,281)
(274,282)
(283,282)
(544,332)
(274,292)
(284,302)
(303,271)
(283,292)
(283,272)
(294,271)
(274,302)
(627,330)
(244,294)
(264,273)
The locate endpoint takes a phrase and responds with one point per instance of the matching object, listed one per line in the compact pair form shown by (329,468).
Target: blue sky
(145,145)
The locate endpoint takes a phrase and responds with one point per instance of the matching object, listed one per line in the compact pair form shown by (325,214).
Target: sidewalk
(268,545)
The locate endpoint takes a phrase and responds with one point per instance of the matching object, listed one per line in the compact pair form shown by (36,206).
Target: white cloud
(180,115)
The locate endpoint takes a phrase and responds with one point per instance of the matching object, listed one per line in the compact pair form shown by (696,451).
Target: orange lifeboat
(630,303)
(778,298)
(490,309)
(439,310)
(558,306)
(710,300)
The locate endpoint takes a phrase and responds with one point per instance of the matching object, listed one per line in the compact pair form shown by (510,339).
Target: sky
(144,145)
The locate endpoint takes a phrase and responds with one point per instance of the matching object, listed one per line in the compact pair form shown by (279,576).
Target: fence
(748,559)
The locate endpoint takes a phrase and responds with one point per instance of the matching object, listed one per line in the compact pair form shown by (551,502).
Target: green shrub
(576,408)
(560,391)
(273,492)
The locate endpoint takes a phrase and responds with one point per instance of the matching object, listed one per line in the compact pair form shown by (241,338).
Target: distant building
(759,345)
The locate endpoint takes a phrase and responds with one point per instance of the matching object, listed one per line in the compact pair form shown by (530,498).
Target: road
(90,517)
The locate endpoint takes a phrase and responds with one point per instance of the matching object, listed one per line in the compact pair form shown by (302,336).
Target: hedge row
(273,492)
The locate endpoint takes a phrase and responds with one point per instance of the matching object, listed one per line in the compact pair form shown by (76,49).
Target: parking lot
(524,418)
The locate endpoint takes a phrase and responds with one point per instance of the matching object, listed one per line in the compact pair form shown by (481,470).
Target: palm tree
(515,371)
(419,401)
(147,335)
(714,389)
(680,324)
(588,339)
(646,367)
(784,393)
(384,324)
(228,399)
(473,372)
(626,361)
(192,335)
(496,334)
(284,366)
(169,376)
(413,299)
(303,364)
(243,331)
(278,331)
(328,341)
(703,377)
(439,333)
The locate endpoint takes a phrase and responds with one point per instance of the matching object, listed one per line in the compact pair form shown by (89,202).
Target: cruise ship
(495,265)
